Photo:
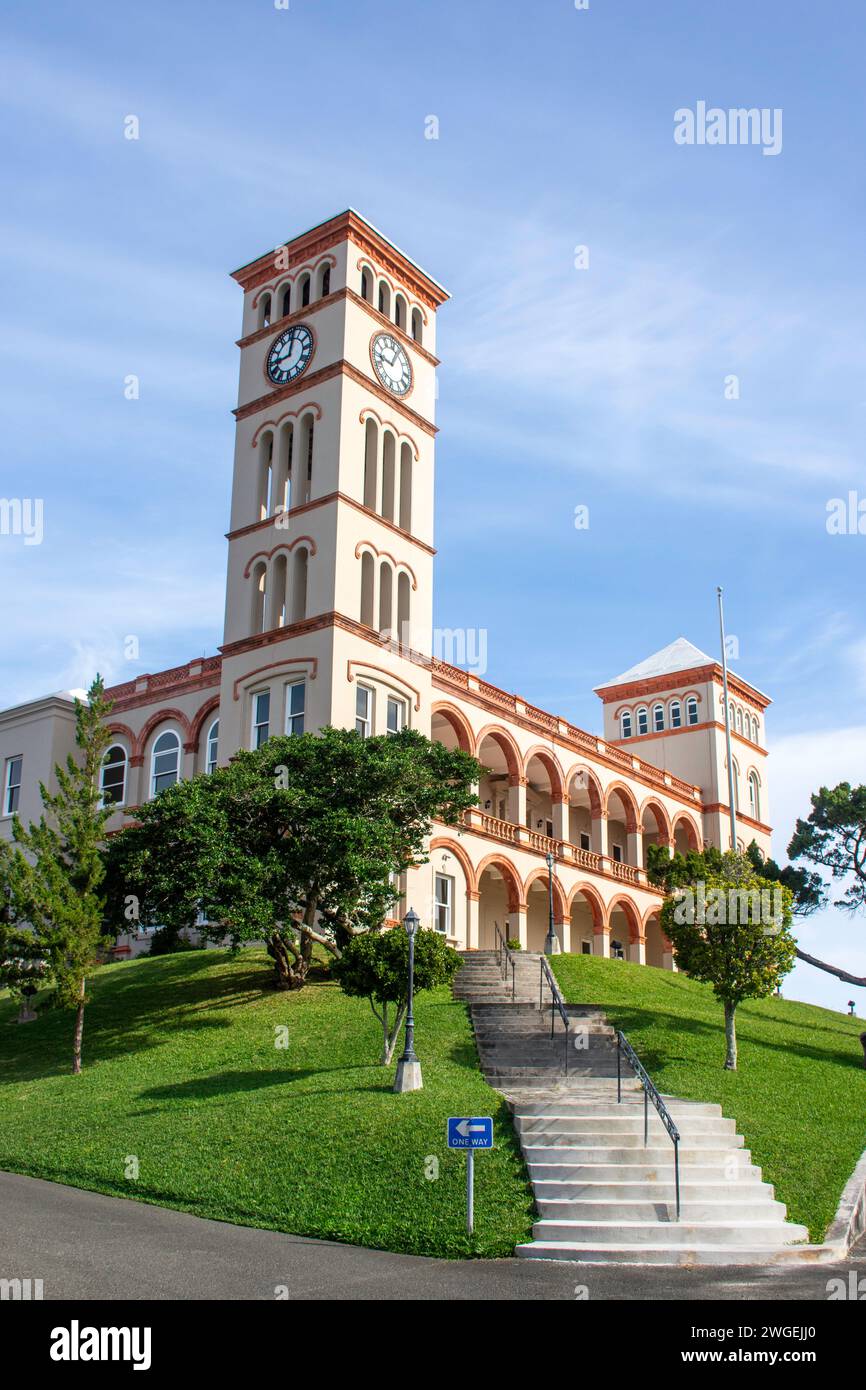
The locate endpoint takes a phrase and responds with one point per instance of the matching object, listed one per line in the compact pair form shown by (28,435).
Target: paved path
(84,1245)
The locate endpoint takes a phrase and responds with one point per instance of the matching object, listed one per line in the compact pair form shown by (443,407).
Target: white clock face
(290,354)
(391,364)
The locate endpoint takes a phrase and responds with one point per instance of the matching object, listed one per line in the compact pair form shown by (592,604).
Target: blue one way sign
(471,1132)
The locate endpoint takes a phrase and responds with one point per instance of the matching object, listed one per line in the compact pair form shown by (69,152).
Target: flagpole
(731,784)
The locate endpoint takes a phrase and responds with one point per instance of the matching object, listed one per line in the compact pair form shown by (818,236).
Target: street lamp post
(552,945)
(408,1076)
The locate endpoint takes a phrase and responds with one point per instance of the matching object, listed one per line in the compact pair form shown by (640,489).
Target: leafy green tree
(375,966)
(729,927)
(55,874)
(296,843)
(834,837)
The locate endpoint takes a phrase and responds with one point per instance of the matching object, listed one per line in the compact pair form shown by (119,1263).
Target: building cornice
(277,326)
(674,680)
(326,501)
(340,367)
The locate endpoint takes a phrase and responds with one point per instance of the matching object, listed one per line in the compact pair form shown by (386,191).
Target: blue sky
(558,386)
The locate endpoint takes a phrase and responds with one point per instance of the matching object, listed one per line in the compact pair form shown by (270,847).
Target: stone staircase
(602,1195)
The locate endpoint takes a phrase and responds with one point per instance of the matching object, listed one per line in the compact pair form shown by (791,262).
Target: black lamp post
(551,945)
(408,1076)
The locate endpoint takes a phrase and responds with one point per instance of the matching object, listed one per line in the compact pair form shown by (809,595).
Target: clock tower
(330,566)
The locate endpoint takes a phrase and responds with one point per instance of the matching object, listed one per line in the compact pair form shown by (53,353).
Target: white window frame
(10,787)
(642,720)
(625,723)
(257,723)
(658,719)
(676,715)
(124,763)
(395,702)
(211,747)
(754,796)
(444,904)
(364,720)
(293,716)
(691,707)
(166,733)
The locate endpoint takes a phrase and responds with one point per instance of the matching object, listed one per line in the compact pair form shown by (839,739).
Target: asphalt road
(87,1246)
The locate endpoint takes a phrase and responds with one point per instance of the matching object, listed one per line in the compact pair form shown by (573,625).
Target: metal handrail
(556,1002)
(506,956)
(650,1093)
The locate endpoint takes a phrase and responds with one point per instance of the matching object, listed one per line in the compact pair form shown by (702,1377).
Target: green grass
(181,1071)
(798,1096)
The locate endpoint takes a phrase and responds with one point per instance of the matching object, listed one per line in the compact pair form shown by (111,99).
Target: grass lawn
(798,1096)
(182,1073)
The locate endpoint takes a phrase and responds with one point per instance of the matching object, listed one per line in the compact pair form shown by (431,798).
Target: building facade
(329,620)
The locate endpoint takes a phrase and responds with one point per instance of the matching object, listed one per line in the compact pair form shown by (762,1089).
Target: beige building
(329,619)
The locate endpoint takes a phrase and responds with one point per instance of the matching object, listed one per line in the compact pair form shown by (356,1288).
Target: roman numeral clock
(290,354)
(391,364)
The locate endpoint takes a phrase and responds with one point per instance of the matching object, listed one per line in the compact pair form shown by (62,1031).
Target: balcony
(520,837)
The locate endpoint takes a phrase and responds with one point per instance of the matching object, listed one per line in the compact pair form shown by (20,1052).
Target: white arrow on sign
(466,1127)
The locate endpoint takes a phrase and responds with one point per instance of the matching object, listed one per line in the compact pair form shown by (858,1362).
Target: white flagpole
(731,784)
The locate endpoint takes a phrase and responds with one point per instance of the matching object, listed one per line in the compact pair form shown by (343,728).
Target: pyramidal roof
(681,655)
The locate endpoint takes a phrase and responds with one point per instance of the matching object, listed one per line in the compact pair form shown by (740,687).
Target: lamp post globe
(408,1076)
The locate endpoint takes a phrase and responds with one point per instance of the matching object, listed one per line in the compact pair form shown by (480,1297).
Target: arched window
(112,779)
(643,720)
(400,311)
(739,719)
(368,579)
(257,610)
(266,465)
(384,298)
(299,585)
(417,325)
(658,718)
(366,286)
(371,451)
(625,724)
(676,714)
(277,590)
(165,762)
(736,785)
(324,281)
(406,487)
(281,485)
(754,796)
(286,306)
(388,476)
(403,601)
(212,750)
(754,730)
(691,710)
(386,597)
(305,291)
(264,311)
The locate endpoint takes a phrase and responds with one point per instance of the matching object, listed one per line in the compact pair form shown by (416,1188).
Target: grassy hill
(799,1095)
(181,1072)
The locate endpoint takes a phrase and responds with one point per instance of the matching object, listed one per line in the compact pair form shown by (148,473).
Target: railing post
(540,984)
(645,1116)
(677,1173)
(618,1071)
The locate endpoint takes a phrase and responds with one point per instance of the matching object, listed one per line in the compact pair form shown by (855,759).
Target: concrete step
(622,1152)
(767,1235)
(600,1123)
(636,1171)
(602,1105)
(627,1139)
(652,1189)
(703,1252)
(693,1210)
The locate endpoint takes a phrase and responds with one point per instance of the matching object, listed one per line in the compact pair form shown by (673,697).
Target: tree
(375,966)
(56,872)
(729,927)
(297,843)
(834,836)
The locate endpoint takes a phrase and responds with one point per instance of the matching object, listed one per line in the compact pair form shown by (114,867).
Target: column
(563,931)
(560,820)
(637,951)
(599,833)
(601,941)
(518,926)
(517,800)
(472,920)
(634,848)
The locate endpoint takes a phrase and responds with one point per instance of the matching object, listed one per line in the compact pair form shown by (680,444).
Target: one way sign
(470,1132)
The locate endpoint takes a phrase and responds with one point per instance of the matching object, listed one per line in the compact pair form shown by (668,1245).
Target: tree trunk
(391,1041)
(78,1034)
(832,970)
(731,1036)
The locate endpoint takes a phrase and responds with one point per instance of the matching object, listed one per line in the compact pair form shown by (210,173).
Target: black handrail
(506,956)
(556,1002)
(650,1093)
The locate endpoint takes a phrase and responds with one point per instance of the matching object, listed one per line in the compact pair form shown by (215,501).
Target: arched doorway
(498,901)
